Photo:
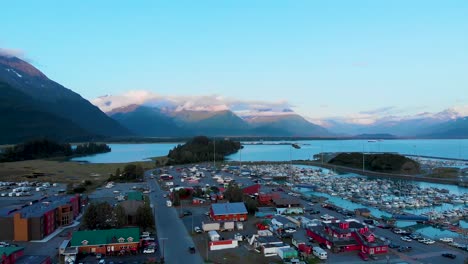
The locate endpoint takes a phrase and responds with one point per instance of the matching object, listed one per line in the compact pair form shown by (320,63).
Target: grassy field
(62,171)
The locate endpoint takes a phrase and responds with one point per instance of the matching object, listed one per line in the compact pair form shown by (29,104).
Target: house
(347,236)
(39,218)
(265,212)
(282,222)
(107,241)
(251,190)
(364,212)
(269,245)
(228,212)
(267,198)
(288,206)
(9,255)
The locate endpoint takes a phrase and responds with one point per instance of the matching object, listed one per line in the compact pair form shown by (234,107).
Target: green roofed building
(107,241)
(135,196)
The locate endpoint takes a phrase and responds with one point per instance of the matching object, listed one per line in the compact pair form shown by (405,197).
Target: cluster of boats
(383,193)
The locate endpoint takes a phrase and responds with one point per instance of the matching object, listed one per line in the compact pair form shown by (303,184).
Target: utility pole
(163,239)
(214,153)
(240,160)
(321,152)
(290,161)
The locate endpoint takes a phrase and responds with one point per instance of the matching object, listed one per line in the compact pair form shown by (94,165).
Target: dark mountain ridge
(33,106)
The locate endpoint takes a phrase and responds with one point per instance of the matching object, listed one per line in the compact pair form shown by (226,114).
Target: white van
(320,253)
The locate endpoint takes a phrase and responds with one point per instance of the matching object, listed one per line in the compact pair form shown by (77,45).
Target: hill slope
(56,99)
(22,119)
(147,121)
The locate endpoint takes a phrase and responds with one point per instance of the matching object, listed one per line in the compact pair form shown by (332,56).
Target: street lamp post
(163,239)
(290,162)
(321,152)
(214,153)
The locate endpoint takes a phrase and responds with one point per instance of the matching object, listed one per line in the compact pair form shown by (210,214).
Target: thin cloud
(196,103)
(380,110)
(12,53)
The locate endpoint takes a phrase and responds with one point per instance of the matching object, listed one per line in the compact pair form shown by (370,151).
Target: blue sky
(326,58)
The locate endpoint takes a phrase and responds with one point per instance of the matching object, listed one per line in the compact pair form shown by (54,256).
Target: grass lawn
(62,171)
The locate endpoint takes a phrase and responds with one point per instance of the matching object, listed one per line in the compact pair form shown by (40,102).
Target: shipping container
(210,226)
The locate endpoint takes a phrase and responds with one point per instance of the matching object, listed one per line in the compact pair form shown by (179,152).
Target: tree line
(131,172)
(45,148)
(103,216)
(201,149)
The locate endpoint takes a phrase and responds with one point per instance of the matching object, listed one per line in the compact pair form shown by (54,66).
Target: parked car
(187,212)
(429,242)
(392,245)
(373,257)
(99,256)
(363,256)
(446,239)
(449,255)
(405,238)
(148,250)
(197,229)
(384,226)
(404,249)
(191,250)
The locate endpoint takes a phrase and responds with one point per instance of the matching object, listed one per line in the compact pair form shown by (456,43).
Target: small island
(385,163)
(45,148)
(201,149)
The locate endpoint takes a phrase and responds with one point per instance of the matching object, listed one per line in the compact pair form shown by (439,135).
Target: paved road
(173,237)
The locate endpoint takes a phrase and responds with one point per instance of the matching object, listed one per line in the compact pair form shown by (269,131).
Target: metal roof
(9,250)
(135,195)
(104,237)
(228,208)
(37,208)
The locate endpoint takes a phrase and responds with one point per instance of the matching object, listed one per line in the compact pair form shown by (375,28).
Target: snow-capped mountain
(210,115)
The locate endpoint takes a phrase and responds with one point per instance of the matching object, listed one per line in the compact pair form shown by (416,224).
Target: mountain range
(34,106)
(445,124)
(155,122)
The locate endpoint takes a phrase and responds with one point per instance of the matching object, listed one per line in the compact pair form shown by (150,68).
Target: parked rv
(319,253)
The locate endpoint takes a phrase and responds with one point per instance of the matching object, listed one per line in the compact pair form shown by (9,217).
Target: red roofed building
(228,212)
(347,236)
(251,190)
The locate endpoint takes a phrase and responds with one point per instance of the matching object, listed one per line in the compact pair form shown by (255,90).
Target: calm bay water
(446,148)
(455,149)
(129,152)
